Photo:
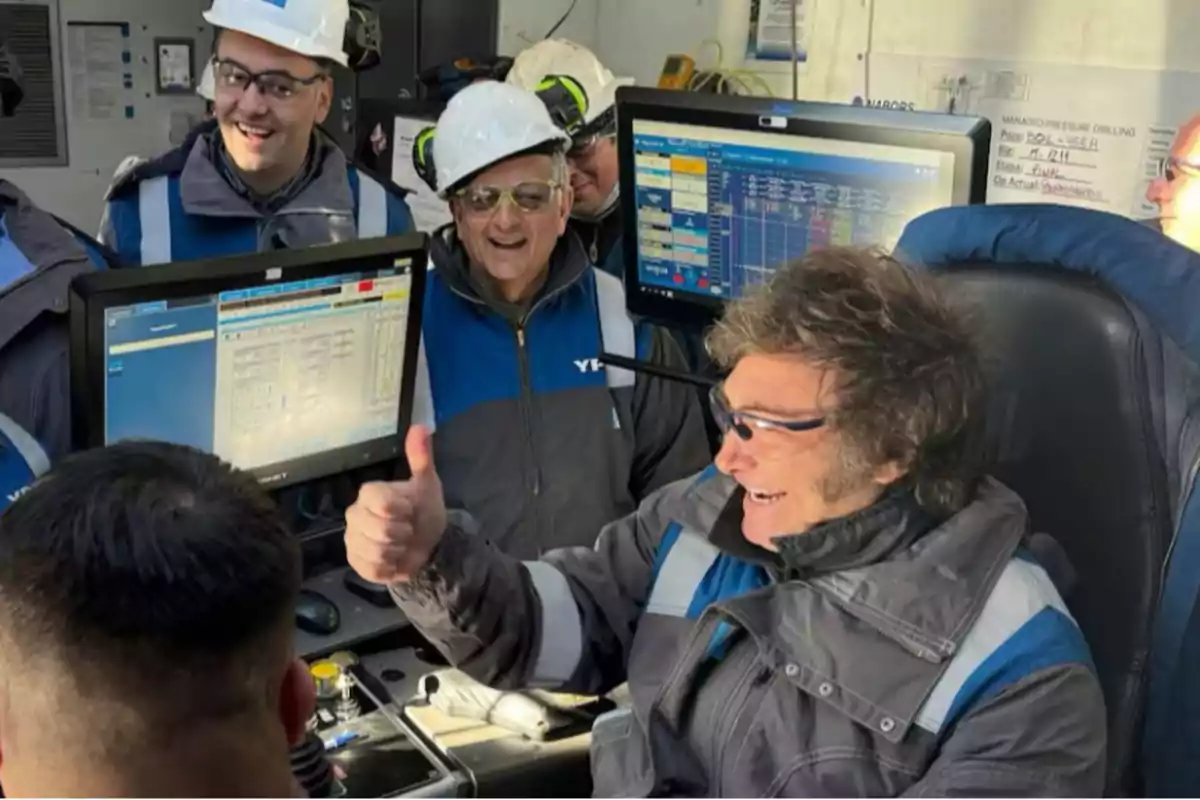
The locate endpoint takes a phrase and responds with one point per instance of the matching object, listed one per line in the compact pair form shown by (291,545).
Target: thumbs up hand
(393,528)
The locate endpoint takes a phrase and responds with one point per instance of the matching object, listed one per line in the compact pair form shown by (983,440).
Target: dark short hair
(910,385)
(147,564)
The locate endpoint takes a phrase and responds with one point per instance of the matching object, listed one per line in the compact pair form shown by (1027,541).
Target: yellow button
(325,671)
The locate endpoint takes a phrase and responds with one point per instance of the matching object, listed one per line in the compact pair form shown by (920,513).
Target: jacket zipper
(526,403)
(526,397)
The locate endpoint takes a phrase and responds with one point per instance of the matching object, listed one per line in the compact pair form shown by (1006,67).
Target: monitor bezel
(967,138)
(94,292)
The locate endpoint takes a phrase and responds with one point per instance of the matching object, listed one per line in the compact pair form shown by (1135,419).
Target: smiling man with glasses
(593,160)
(844,606)
(536,438)
(261,175)
(1176,188)
(592,156)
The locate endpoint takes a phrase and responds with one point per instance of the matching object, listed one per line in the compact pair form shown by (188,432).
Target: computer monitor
(292,365)
(718,191)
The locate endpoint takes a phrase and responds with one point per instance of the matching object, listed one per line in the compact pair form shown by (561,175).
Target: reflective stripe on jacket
(882,654)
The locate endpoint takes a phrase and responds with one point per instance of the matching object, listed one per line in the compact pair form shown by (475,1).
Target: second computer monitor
(719,192)
(291,365)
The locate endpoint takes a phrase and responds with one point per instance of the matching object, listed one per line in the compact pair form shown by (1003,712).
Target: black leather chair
(1092,322)
(1074,423)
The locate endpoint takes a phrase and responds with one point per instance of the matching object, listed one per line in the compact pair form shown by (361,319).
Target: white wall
(524,22)
(1153,34)
(76,192)
(634,36)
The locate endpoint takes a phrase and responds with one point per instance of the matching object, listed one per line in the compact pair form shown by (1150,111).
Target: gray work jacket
(886,653)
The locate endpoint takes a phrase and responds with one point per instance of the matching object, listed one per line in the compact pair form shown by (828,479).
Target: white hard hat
(486,123)
(208,83)
(313,28)
(564,57)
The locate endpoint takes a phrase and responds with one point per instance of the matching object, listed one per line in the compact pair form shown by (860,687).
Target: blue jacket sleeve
(399,216)
(121,229)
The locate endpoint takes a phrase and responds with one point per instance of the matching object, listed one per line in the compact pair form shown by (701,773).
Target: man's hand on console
(393,528)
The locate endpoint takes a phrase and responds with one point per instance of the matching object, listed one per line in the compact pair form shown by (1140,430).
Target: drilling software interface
(264,375)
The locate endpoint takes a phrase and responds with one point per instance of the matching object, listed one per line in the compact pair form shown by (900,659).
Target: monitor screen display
(719,209)
(265,375)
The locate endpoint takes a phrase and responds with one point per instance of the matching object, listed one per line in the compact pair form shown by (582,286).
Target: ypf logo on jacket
(22,461)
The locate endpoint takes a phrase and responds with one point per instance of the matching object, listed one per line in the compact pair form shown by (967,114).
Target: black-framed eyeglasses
(744,424)
(277,84)
(584,142)
(529,196)
(583,146)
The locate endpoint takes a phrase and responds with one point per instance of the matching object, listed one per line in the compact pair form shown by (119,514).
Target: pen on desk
(342,739)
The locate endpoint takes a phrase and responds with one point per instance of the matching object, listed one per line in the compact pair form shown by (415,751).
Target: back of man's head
(146,601)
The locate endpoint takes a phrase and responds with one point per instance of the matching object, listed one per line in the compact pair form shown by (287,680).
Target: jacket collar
(927,594)
(858,540)
(599,236)
(916,580)
(205,191)
(53,253)
(36,233)
(835,635)
(568,264)
(219,156)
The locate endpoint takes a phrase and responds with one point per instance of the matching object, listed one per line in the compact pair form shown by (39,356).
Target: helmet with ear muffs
(422,157)
(364,38)
(566,100)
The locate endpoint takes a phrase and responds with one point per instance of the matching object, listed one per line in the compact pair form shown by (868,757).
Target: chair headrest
(1154,272)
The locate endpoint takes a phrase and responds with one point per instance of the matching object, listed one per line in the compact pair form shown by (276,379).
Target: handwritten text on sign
(1051,159)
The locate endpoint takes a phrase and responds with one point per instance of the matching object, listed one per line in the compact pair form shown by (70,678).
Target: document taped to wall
(428,210)
(1093,137)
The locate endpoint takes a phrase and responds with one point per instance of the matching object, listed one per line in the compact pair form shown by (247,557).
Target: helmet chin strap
(606,207)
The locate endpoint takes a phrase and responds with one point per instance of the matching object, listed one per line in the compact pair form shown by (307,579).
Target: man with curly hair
(845,605)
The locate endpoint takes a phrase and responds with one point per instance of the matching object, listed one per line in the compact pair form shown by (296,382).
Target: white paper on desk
(429,212)
(1084,136)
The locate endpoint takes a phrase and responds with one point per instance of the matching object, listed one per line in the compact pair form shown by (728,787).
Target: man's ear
(566,205)
(297,701)
(324,99)
(889,473)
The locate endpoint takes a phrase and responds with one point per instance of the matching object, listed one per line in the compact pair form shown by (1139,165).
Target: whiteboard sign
(1086,136)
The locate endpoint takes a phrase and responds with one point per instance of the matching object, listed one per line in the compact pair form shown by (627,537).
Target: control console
(359,744)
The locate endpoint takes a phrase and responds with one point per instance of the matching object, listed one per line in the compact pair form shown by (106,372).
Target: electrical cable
(732,79)
(561,20)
